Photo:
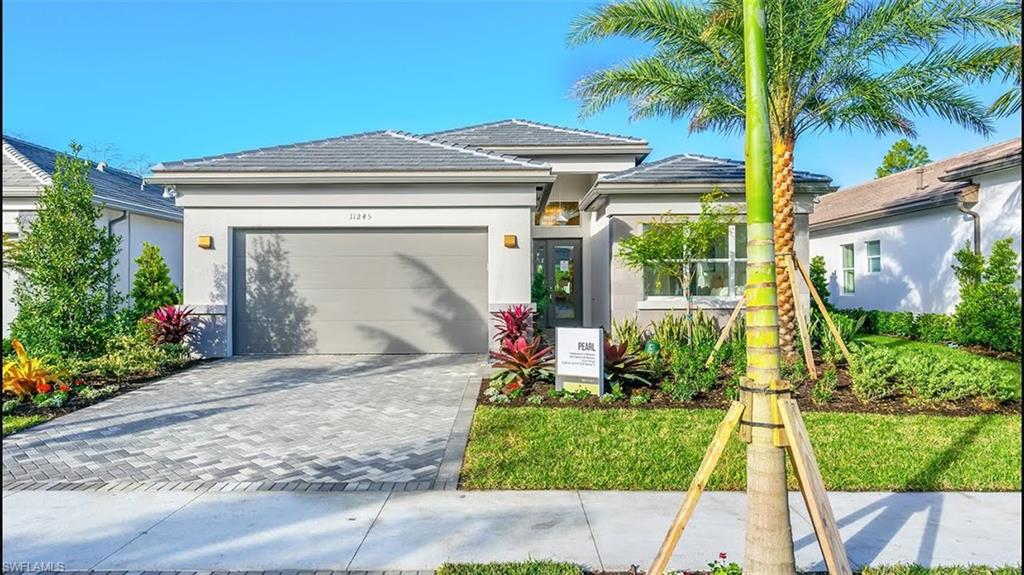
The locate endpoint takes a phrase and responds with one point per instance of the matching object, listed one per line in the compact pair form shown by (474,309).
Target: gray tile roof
(31,165)
(925,184)
(515,132)
(383,151)
(687,168)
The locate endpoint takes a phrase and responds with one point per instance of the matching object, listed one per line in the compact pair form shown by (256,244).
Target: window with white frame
(874,250)
(849,271)
(722,274)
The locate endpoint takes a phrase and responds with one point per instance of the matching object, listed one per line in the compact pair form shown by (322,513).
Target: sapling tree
(65,264)
(671,244)
(152,287)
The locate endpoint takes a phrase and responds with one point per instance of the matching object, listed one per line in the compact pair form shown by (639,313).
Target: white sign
(579,359)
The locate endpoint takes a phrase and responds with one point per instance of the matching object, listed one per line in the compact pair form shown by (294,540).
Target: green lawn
(1011,367)
(544,448)
(15,423)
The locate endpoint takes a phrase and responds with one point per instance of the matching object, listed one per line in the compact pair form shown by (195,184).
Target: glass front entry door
(558,263)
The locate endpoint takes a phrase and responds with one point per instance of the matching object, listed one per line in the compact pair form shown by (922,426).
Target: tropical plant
(136,355)
(846,66)
(669,329)
(26,376)
(824,388)
(848,329)
(989,311)
(152,287)
(669,245)
(901,157)
(628,331)
(513,323)
(171,324)
(704,329)
(522,361)
(64,289)
(622,367)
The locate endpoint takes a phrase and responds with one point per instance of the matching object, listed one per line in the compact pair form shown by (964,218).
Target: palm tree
(832,65)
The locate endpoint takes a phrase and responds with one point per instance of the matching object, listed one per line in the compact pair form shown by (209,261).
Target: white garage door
(359,291)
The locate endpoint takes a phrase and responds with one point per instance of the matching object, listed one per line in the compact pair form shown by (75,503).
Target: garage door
(360,291)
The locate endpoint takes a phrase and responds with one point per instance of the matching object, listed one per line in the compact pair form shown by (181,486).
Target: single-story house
(397,243)
(889,244)
(135,211)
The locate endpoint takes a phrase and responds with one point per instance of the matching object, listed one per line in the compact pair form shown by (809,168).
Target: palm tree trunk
(782,205)
(769,541)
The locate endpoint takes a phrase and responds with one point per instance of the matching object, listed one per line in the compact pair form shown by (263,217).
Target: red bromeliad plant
(621,367)
(521,362)
(513,323)
(171,324)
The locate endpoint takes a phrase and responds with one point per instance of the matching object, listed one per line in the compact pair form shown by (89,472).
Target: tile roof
(687,168)
(515,132)
(30,165)
(383,151)
(909,187)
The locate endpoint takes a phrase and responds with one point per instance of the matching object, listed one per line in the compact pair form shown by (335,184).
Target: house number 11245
(360,216)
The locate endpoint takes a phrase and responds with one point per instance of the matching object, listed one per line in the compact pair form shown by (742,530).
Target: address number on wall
(360,216)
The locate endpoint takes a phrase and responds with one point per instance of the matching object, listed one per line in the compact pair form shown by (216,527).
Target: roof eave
(540,175)
(605,188)
(969,171)
(946,198)
(638,150)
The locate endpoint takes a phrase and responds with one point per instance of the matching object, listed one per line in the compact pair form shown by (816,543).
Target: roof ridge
(645,166)
(467,149)
(542,125)
(93,164)
(241,153)
(31,167)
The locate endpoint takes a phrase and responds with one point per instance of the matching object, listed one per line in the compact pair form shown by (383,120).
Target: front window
(849,275)
(874,250)
(558,214)
(722,274)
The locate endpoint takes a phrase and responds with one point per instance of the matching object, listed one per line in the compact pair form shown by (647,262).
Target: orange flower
(43,387)
(64,387)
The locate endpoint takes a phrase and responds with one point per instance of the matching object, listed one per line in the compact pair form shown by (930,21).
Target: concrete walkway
(418,530)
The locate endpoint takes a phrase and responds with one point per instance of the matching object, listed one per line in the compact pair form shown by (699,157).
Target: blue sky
(166,81)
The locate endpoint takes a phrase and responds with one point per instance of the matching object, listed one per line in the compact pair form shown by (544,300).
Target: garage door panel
(426,272)
(360,291)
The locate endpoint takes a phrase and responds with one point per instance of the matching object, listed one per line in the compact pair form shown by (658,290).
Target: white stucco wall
(500,208)
(917,249)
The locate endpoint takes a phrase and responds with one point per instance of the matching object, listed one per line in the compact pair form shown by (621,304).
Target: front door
(558,263)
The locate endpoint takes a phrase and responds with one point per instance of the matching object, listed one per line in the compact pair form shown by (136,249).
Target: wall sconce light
(511,241)
(205,242)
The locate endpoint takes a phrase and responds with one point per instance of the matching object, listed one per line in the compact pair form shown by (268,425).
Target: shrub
(540,294)
(989,312)
(848,329)
(627,331)
(522,361)
(621,367)
(66,267)
(152,287)
(898,323)
(704,329)
(935,327)
(136,355)
(171,324)
(688,378)
(513,323)
(26,376)
(875,373)
(825,387)
(819,280)
(669,330)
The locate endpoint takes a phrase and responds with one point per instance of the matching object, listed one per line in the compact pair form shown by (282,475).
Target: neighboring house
(889,244)
(400,243)
(136,212)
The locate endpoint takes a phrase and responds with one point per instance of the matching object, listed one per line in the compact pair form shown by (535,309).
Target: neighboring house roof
(515,133)
(934,184)
(28,168)
(383,151)
(694,168)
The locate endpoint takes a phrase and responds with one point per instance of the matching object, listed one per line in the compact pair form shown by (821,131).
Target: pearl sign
(579,359)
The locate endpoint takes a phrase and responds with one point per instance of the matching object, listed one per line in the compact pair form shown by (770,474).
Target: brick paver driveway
(309,422)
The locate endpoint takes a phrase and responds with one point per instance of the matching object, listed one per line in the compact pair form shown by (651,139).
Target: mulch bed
(124,385)
(843,401)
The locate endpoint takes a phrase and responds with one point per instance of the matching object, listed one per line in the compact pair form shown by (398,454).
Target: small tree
(671,244)
(902,156)
(64,290)
(152,287)
(989,311)
(819,280)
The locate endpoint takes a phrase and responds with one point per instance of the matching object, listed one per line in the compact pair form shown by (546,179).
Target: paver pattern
(281,423)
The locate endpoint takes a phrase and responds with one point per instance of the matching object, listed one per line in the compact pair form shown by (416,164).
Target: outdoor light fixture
(205,242)
(511,241)
(561,219)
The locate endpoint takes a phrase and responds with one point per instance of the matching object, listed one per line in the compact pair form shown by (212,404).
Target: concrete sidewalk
(374,531)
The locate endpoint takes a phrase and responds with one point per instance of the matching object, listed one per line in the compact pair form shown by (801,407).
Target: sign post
(579,359)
